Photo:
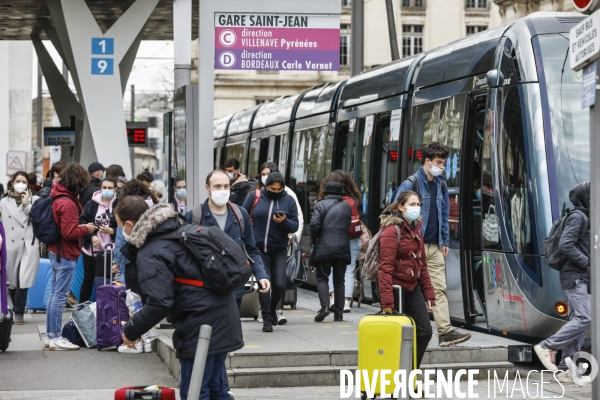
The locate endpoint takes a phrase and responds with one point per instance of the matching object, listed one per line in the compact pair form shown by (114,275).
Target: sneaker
(573,374)
(19,319)
(47,343)
(347,308)
(147,347)
(281,319)
(231,395)
(259,319)
(323,312)
(139,348)
(547,357)
(338,318)
(62,344)
(453,338)
(267,326)
(69,306)
(71,299)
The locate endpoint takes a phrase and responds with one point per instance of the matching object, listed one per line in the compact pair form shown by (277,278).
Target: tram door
(470,209)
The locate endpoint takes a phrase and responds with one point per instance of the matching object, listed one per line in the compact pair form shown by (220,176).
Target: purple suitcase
(111,310)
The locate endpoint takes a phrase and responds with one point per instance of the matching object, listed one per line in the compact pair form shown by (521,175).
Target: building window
(412,40)
(413,3)
(346,3)
(477,4)
(475,29)
(344,44)
(262,101)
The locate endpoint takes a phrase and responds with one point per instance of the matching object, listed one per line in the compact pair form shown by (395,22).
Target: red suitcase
(138,392)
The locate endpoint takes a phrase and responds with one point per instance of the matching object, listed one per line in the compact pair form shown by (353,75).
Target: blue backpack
(41,217)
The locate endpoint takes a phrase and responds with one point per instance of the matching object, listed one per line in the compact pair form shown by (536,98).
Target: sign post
(584,50)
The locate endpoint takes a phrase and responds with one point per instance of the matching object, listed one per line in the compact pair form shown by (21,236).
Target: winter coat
(232,229)
(95,211)
(46,188)
(21,246)
(88,192)
(402,262)
(271,236)
(574,247)
(66,215)
(239,190)
(330,229)
(188,307)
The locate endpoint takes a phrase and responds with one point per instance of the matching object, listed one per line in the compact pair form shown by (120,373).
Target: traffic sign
(585,6)
(15,161)
(584,42)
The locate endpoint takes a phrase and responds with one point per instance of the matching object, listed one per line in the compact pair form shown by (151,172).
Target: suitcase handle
(397,296)
(106,252)
(137,394)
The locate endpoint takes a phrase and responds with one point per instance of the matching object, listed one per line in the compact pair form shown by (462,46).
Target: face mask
(362,189)
(478,194)
(412,213)
(20,187)
(263,179)
(108,193)
(230,175)
(220,197)
(181,193)
(435,171)
(273,195)
(126,237)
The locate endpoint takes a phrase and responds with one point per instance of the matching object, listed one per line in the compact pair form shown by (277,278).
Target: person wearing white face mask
(180,195)
(430,183)
(240,186)
(23,255)
(219,211)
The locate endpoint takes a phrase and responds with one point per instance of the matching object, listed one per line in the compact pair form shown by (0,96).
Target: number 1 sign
(103,46)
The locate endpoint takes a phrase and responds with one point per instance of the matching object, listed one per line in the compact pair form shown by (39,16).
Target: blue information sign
(102,66)
(588,94)
(103,46)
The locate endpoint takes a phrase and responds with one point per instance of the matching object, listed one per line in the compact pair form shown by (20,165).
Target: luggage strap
(191,282)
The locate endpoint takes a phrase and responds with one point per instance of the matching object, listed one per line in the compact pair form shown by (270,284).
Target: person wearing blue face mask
(98,211)
(180,195)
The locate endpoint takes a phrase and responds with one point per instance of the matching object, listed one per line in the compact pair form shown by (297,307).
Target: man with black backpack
(574,246)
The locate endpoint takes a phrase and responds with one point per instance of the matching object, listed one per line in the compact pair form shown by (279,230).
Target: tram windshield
(570,123)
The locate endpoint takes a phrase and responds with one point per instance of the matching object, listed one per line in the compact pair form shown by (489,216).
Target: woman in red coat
(403,262)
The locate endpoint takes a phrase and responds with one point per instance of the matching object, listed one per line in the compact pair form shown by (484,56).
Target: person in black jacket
(53,174)
(274,215)
(239,182)
(330,236)
(96,171)
(160,263)
(575,246)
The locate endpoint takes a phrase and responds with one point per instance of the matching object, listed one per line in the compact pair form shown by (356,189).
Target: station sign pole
(584,50)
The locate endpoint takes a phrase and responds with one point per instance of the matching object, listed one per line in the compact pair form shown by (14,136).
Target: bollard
(199,362)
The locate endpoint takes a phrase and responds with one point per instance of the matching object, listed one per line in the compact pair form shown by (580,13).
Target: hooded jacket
(574,245)
(330,229)
(188,307)
(88,192)
(269,235)
(97,212)
(66,215)
(46,188)
(402,262)
(239,189)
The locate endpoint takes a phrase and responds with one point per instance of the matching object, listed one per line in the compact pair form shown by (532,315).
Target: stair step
(330,375)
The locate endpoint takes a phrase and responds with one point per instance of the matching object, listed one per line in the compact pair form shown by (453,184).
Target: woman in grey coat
(23,249)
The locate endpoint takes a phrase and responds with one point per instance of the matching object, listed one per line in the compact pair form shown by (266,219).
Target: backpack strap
(415,185)
(197,215)
(238,215)
(256,199)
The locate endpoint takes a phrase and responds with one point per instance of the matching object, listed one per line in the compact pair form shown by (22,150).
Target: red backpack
(355,226)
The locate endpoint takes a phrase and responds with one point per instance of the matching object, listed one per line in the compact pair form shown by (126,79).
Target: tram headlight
(561,308)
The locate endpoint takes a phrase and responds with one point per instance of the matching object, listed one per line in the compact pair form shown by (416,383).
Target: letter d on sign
(346,390)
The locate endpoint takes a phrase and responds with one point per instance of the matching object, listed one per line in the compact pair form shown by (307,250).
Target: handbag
(489,226)
(84,318)
(296,271)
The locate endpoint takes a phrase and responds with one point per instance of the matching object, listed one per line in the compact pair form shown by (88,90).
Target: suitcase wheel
(293,306)
(34,311)
(255,317)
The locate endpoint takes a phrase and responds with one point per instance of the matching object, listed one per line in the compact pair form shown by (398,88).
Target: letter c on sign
(227,59)
(227,38)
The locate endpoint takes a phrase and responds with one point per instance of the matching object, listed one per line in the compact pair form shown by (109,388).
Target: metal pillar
(358,37)
(40,107)
(182,36)
(595,230)
(392,29)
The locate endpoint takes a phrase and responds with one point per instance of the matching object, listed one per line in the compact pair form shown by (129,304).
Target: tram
(507,105)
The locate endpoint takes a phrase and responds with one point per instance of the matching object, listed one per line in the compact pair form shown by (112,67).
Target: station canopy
(20,18)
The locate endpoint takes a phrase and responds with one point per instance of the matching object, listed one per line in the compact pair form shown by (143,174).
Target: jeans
(62,277)
(570,337)
(214,383)
(19,295)
(413,305)
(323,271)
(275,266)
(349,277)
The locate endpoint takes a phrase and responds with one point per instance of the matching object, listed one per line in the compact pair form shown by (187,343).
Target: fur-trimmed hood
(150,220)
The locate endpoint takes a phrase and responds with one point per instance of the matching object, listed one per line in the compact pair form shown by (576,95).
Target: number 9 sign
(102,66)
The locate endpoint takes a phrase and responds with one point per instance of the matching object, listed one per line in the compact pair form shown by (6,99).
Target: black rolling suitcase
(6,323)
(290,298)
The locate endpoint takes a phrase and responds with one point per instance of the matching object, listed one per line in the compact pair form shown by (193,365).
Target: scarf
(3,257)
(17,197)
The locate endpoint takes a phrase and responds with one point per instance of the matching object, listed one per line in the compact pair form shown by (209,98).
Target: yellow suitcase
(386,342)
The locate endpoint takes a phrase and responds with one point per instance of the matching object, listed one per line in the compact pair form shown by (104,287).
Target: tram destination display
(277,42)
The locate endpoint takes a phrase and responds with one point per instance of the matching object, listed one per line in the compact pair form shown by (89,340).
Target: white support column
(4,79)
(182,36)
(100,81)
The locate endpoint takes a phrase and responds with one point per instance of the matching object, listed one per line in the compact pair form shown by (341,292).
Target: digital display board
(136,136)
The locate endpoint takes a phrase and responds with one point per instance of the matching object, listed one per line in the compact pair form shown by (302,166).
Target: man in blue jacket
(429,182)
(218,211)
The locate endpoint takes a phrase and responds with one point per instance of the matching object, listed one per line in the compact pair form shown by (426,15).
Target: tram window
(238,151)
(312,155)
(281,153)
(513,170)
(389,160)
(509,66)
(490,235)
(362,158)
(254,157)
(217,155)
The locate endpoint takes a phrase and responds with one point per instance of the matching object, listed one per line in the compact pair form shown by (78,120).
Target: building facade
(420,25)
(511,10)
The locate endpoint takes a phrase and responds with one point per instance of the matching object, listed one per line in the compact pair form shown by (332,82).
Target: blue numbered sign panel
(102,66)
(103,46)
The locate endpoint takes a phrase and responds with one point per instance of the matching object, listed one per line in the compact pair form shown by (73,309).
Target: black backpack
(555,259)
(224,265)
(42,220)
